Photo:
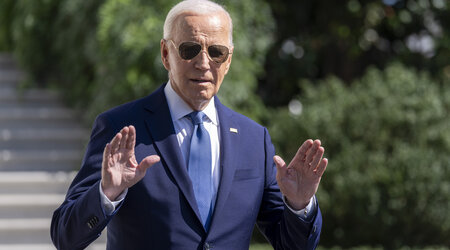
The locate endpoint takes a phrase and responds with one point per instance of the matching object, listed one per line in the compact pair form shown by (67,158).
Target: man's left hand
(300,180)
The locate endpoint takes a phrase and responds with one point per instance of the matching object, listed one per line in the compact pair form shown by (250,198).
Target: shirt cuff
(308,212)
(108,205)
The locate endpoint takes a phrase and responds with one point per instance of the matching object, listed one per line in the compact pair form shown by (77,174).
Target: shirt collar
(179,108)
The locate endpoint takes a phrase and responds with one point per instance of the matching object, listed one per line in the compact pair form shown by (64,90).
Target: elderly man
(178,170)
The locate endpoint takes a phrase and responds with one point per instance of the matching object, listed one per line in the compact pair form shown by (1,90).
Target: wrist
(110,192)
(297,205)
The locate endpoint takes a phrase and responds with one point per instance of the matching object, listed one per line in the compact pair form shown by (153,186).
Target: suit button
(207,246)
(92,222)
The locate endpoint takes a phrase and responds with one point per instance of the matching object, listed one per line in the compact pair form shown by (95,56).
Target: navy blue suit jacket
(160,211)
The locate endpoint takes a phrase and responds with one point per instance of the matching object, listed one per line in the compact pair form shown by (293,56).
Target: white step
(21,206)
(28,114)
(40,160)
(6,60)
(94,246)
(11,75)
(38,182)
(32,134)
(43,138)
(29,95)
(28,231)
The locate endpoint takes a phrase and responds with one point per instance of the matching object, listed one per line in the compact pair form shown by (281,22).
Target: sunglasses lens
(189,50)
(218,53)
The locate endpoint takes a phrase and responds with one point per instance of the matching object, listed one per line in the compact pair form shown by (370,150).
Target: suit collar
(229,149)
(161,129)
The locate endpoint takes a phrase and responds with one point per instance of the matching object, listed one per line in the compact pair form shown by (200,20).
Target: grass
(260,246)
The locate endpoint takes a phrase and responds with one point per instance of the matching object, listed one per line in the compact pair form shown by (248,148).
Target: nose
(202,61)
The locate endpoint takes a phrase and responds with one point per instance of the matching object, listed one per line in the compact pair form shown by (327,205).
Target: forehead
(208,27)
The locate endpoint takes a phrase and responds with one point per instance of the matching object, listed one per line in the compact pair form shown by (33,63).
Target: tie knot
(197,117)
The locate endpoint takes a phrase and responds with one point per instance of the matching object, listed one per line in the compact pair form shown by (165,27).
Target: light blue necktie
(200,166)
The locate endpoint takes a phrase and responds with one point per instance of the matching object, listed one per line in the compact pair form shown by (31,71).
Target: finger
(312,151)
(115,143)
(123,141)
(317,157)
(131,137)
(322,167)
(106,154)
(148,162)
(301,152)
(281,165)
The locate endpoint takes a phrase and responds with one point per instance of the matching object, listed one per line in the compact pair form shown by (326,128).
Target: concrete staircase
(41,147)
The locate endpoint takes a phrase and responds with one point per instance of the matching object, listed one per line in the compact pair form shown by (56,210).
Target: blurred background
(371,79)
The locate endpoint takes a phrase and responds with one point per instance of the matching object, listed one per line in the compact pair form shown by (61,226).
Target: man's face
(197,80)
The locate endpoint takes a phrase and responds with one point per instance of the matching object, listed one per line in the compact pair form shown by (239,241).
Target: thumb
(148,162)
(279,162)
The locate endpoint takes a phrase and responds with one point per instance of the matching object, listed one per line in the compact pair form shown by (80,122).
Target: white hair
(200,7)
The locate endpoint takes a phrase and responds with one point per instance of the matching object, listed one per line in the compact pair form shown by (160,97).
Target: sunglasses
(189,50)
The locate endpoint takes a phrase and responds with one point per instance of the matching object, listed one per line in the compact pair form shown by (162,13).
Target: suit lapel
(229,150)
(160,126)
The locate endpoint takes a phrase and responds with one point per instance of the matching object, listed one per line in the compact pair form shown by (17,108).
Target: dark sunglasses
(189,50)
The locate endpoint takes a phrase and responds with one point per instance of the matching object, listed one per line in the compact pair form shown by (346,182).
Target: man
(182,171)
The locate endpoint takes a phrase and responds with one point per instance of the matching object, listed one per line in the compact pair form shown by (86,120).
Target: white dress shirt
(184,129)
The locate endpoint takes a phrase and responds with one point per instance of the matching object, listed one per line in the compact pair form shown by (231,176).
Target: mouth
(201,81)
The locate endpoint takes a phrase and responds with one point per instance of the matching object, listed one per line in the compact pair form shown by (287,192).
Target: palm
(120,169)
(300,180)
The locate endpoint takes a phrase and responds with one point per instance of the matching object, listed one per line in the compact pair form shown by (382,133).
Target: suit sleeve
(280,226)
(81,218)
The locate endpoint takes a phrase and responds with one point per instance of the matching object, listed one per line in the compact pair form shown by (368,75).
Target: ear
(165,54)
(228,62)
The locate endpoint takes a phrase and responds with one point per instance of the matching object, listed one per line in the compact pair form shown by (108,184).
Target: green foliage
(75,51)
(102,53)
(260,247)
(129,35)
(30,33)
(313,42)
(6,12)
(387,135)
(388,140)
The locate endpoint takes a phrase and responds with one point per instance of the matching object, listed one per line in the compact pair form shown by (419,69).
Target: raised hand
(300,180)
(119,167)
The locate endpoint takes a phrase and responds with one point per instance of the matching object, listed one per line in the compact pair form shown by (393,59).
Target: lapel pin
(233,130)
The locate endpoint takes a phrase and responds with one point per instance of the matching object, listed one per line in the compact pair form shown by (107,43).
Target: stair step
(94,246)
(38,117)
(28,231)
(49,139)
(40,160)
(38,182)
(7,86)
(41,148)
(6,60)
(30,95)
(20,206)
(11,75)
(34,231)
(27,114)
(39,124)
(31,134)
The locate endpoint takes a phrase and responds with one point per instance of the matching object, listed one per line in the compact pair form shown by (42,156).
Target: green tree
(102,53)
(129,35)
(387,136)
(317,39)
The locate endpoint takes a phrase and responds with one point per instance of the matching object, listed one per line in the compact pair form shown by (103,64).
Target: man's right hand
(120,169)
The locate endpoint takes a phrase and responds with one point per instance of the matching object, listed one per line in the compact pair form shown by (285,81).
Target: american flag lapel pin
(233,130)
